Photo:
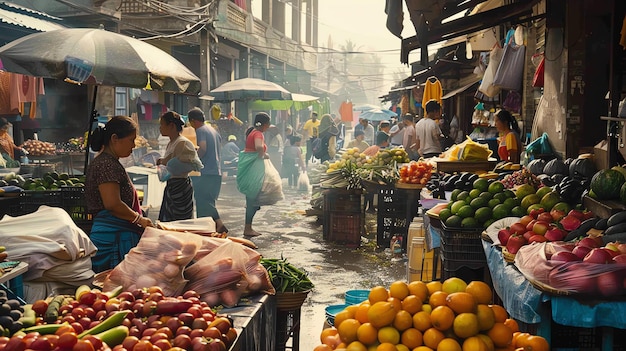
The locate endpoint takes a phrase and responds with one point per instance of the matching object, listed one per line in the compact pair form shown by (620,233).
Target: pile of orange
(443,316)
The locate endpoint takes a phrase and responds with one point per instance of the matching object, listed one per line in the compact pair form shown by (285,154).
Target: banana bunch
(507,166)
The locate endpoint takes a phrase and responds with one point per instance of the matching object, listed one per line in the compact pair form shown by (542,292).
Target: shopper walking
(110,196)
(428,134)
(310,132)
(207,186)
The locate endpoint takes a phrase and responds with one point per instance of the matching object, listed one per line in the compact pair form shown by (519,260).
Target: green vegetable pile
(285,277)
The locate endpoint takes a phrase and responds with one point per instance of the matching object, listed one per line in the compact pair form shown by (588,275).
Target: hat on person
(358,132)
(232,138)
(384,123)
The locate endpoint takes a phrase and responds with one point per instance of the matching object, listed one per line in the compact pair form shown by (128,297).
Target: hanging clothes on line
(345,111)
(432,90)
(16,90)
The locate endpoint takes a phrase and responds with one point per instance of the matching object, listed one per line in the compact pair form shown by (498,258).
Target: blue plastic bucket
(354,297)
(331,312)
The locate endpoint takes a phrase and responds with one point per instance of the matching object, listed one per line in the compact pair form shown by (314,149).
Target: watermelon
(622,193)
(607,184)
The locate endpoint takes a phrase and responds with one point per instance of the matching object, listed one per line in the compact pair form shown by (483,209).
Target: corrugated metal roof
(24,17)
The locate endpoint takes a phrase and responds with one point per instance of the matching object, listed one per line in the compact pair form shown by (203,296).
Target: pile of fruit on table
(448,315)
(139,320)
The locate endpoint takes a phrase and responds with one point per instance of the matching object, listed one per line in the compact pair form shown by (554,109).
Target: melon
(607,184)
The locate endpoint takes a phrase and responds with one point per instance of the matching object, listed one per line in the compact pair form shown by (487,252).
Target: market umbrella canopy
(365,107)
(98,57)
(250,89)
(377,115)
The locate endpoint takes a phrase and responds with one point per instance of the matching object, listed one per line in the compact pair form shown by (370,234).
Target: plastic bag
(220,277)
(486,86)
(303,182)
(158,260)
(540,145)
(468,150)
(163,174)
(511,69)
(539,72)
(272,187)
(250,174)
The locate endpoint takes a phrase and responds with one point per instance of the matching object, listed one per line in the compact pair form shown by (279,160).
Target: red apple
(578,214)
(537,238)
(536,212)
(517,228)
(621,258)
(598,255)
(541,227)
(530,224)
(575,277)
(581,251)
(621,247)
(610,284)
(611,252)
(545,217)
(503,236)
(557,215)
(568,246)
(528,234)
(564,256)
(589,242)
(525,220)
(555,234)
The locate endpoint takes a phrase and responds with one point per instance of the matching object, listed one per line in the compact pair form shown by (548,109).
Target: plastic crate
(389,225)
(345,228)
(465,269)
(462,244)
(73,201)
(575,338)
(392,201)
(343,200)
(30,200)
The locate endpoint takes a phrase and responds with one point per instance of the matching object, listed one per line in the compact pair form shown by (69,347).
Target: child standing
(292,159)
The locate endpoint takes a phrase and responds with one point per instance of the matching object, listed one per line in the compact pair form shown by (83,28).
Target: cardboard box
(601,155)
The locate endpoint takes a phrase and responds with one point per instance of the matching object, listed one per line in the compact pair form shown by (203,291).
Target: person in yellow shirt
(310,131)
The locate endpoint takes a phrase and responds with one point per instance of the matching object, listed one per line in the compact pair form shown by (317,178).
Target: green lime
(454,194)
(481,184)
(543,190)
(500,196)
(444,215)
(486,195)
(463,195)
(469,222)
(533,207)
(493,203)
(509,193)
(483,214)
(453,221)
(478,203)
(488,222)
(456,206)
(511,202)
(495,187)
(466,211)
(518,211)
(474,193)
(530,200)
(501,211)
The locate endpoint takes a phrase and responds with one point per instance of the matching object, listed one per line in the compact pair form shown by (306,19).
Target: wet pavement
(333,268)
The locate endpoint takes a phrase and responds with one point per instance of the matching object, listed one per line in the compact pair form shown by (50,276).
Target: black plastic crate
(392,202)
(388,225)
(575,338)
(462,244)
(73,201)
(343,200)
(466,269)
(30,200)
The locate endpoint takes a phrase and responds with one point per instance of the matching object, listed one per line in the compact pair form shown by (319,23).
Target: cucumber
(52,313)
(602,224)
(619,217)
(617,228)
(614,237)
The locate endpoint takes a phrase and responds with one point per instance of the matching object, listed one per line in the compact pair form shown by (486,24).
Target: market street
(334,269)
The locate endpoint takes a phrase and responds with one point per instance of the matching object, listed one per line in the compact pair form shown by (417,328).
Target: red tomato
(67,340)
(83,345)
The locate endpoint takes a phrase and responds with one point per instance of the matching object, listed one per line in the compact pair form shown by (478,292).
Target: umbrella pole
(92,118)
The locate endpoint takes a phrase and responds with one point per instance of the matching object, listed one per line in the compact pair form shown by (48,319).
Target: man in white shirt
(368,130)
(397,133)
(427,132)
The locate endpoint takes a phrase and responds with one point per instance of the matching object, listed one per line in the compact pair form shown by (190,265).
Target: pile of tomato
(416,172)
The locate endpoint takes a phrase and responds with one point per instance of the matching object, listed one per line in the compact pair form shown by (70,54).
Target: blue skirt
(114,237)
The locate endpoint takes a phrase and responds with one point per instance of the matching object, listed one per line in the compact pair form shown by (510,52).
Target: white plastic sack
(272,188)
(486,86)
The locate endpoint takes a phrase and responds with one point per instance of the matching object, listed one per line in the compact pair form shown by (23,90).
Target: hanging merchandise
(345,111)
(486,86)
(519,35)
(511,69)
(404,103)
(513,102)
(432,90)
(539,72)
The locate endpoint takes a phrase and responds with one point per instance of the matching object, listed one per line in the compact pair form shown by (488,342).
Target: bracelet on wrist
(136,219)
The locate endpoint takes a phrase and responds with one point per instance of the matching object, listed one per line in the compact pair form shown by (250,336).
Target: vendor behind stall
(7,146)
(509,144)
(118,222)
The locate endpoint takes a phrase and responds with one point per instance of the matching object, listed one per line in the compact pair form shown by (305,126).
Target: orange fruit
(342,316)
(386,346)
(411,338)
(419,289)
(433,286)
(356,346)
(486,317)
(465,325)
(500,313)
(361,312)
(388,334)
(461,302)
(367,334)
(401,347)
(487,340)
(537,343)
(378,293)
(421,321)
(427,308)
(352,309)
(397,303)
(520,339)
(442,318)
(381,314)
(512,324)
(328,332)
(399,290)
(432,337)
(412,304)
(453,284)
(348,329)
(332,340)
(403,320)
(449,344)
(474,343)
(481,291)
(323,347)
(438,298)
(500,334)
(423,348)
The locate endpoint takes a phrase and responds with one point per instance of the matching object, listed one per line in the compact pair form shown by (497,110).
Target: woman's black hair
(122,126)
(505,117)
(260,119)
(173,117)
